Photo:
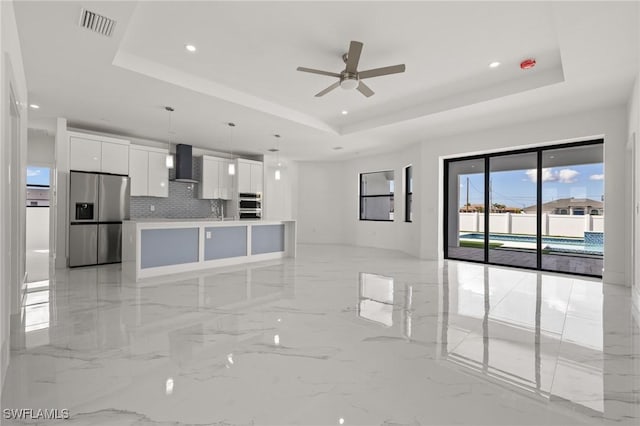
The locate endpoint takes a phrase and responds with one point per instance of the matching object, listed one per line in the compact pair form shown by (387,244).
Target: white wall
(12,186)
(37,228)
(40,148)
(328,203)
(322,206)
(322,182)
(59,187)
(634,177)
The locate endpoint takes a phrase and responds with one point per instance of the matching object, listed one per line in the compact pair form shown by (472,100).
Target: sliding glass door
(539,208)
(513,214)
(465,204)
(573,210)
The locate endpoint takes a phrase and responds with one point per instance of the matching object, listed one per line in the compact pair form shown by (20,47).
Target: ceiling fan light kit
(350,78)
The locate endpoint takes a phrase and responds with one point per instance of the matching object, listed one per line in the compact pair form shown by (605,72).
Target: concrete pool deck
(573,264)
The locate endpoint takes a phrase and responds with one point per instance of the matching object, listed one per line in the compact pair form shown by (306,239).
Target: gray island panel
(225,242)
(267,239)
(164,247)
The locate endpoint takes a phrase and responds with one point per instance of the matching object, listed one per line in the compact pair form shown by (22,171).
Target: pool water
(558,244)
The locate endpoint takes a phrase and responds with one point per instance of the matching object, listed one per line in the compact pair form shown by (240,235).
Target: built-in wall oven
(250,205)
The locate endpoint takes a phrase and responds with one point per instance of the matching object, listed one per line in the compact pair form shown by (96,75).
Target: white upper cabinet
(139,171)
(243,173)
(85,154)
(209,178)
(158,174)
(215,181)
(148,171)
(115,158)
(225,181)
(94,153)
(249,175)
(256,178)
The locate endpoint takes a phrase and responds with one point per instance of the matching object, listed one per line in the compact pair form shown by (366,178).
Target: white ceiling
(245,69)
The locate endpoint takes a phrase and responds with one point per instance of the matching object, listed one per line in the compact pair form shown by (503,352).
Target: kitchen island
(155,247)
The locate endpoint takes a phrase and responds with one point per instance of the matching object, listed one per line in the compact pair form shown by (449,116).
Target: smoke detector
(527,64)
(96,22)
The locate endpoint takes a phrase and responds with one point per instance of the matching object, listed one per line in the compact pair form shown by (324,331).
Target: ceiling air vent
(97,23)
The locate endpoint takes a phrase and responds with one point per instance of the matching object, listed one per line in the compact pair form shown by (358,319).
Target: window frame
(391,195)
(408,193)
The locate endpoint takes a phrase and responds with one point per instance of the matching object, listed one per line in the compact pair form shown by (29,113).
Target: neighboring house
(570,206)
(472,208)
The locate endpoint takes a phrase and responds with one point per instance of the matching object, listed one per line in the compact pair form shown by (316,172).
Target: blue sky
(37,175)
(518,188)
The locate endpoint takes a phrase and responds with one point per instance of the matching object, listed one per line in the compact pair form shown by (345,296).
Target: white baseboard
(613,277)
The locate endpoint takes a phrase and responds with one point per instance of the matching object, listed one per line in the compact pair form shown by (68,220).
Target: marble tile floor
(338,336)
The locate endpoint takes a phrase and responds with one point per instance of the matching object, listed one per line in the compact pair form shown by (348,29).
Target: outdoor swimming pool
(554,244)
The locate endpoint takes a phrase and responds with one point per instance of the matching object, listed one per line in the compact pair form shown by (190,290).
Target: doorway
(539,208)
(37,223)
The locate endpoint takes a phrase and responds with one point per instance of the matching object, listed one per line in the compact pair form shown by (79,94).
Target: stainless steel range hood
(184,164)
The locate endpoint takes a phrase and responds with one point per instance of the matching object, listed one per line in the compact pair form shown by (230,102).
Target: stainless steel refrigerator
(98,203)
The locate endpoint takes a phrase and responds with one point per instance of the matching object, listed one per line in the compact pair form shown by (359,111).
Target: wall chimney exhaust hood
(184,164)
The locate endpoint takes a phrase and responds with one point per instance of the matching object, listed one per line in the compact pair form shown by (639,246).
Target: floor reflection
(539,333)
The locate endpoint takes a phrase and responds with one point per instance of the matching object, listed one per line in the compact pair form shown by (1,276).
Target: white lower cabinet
(215,181)
(148,171)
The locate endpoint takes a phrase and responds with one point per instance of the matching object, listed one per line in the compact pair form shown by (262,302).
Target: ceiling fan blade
(377,72)
(365,90)
(311,70)
(328,89)
(353,56)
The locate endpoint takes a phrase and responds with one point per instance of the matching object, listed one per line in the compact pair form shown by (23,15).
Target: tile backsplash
(181,203)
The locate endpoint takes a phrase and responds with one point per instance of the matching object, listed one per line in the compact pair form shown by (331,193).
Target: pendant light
(169,158)
(277,174)
(232,165)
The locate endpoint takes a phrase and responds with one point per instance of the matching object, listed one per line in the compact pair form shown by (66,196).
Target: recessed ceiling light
(190,47)
(345,112)
(34,106)
(494,64)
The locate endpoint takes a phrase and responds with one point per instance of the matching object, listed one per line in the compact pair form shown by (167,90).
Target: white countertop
(168,222)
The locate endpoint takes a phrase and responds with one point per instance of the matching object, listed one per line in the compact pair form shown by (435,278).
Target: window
(408,200)
(376,196)
(37,176)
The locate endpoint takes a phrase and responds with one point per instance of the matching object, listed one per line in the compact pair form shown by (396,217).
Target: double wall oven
(250,205)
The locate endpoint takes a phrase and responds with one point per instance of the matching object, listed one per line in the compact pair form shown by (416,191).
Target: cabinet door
(225,180)
(115,158)
(158,175)
(139,172)
(209,182)
(256,178)
(85,154)
(243,174)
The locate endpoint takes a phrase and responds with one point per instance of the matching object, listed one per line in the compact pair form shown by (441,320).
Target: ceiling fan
(350,77)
